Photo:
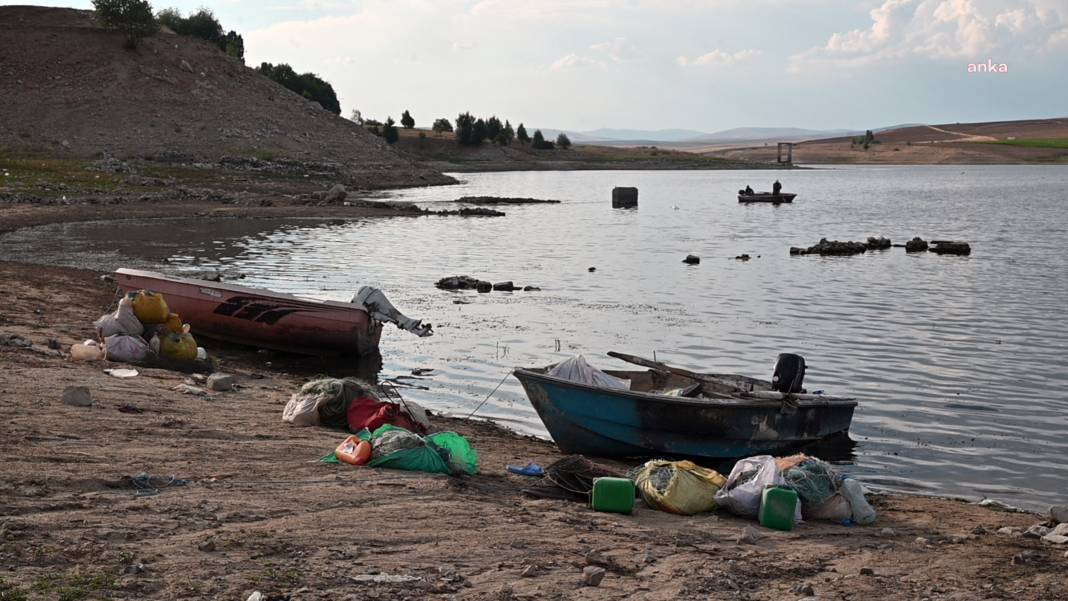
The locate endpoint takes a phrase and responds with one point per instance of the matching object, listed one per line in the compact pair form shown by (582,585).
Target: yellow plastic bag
(149,307)
(181,347)
(173,323)
(681,487)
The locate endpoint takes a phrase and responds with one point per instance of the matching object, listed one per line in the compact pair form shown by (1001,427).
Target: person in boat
(776,188)
(748,190)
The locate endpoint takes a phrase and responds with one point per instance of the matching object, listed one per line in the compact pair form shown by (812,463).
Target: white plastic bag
(853,491)
(125,349)
(576,369)
(835,509)
(122,322)
(745,486)
(302,410)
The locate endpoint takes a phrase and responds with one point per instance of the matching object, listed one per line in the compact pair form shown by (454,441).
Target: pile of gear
(142,330)
(777,492)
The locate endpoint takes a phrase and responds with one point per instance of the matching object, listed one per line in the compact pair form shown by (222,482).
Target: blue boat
(666,413)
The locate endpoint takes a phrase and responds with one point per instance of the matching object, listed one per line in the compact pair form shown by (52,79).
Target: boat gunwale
(733,402)
(263,292)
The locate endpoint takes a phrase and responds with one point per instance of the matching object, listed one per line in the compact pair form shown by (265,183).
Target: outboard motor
(789,374)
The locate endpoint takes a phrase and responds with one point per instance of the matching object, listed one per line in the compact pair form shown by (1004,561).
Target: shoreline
(261,513)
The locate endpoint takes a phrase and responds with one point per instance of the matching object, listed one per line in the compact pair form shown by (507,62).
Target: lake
(959,363)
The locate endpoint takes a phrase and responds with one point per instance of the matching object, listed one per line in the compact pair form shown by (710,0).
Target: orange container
(354,451)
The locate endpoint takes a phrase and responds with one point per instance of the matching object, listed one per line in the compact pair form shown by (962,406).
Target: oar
(659,366)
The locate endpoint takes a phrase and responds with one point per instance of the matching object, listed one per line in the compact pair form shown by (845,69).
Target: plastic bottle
(853,491)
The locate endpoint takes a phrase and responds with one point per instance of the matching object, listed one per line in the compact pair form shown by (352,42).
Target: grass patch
(10,592)
(28,174)
(76,587)
(1055,143)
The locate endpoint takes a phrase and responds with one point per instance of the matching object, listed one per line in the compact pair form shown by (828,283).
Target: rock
(336,194)
(134,568)
(1057,539)
(624,198)
(1061,530)
(692,260)
(887,532)
(77,396)
(592,575)
(207,546)
(1009,531)
(502,200)
(255,596)
(950,247)
(980,530)
(457,282)
(221,382)
(504,286)
(1036,531)
(879,243)
(921,540)
(805,589)
(474,212)
(1059,513)
(916,245)
(743,257)
(531,289)
(749,536)
(592,269)
(65,143)
(483,287)
(185,66)
(867,572)
(827,247)
(531,571)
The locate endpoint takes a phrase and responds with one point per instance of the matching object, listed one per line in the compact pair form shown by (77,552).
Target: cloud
(573,61)
(717,57)
(941,30)
(617,50)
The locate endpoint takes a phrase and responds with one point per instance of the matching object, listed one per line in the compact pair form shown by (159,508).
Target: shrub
(132,18)
(522,135)
(406,120)
(389,131)
(540,143)
(563,141)
(203,24)
(441,126)
(308,85)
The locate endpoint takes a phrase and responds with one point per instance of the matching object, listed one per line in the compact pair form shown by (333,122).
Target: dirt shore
(260,512)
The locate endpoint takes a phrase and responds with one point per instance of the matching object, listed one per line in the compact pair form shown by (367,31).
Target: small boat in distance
(668,411)
(766,197)
(274,320)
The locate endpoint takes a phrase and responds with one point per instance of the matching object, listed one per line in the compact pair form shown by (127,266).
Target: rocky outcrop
(827,247)
(916,245)
(466,282)
(878,243)
(950,247)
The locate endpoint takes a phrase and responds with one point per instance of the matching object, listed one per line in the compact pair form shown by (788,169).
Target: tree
(234,45)
(868,139)
(540,143)
(521,134)
(357,117)
(389,131)
(441,126)
(494,127)
(509,133)
(308,85)
(132,18)
(479,132)
(563,141)
(465,130)
(406,120)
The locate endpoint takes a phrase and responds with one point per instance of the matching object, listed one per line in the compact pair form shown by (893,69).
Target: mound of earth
(71,90)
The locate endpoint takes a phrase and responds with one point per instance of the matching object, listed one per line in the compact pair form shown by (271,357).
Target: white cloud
(941,29)
(717,57)
(572,61)
(617,50)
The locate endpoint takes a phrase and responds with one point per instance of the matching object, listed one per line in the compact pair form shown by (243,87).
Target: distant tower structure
(788,156)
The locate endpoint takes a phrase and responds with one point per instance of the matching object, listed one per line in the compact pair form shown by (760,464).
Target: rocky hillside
(71,90)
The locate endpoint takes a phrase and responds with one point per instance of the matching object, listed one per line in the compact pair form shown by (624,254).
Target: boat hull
(261,318)
(616,423)
(764,197)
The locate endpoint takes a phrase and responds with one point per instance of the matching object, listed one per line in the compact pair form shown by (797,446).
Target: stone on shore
(1059,514)
(692,260)
(77,396)
(221,382)
(336,194)
(1036,531)
(592,575)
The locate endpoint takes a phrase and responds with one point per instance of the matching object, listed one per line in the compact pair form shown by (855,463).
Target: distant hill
(69,89)
(683,137)
(779,134)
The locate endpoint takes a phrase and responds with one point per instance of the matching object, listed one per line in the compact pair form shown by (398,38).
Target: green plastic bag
(444,453)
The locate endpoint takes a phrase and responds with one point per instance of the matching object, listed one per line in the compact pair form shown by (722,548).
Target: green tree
(509,133)
(540,143)
(234,45)
(521,134)
(441,126)
(308,85)
(869,138)
(494,127)
(563,141)
(479,132)
(132,18)
(406,120)
(465,130)
(389,131)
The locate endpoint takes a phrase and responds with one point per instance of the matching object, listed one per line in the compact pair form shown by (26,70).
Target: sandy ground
(261,512)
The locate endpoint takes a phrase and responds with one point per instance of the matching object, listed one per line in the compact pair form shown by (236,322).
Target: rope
(469,415)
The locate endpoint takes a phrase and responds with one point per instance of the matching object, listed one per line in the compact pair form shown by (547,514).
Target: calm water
(959,362)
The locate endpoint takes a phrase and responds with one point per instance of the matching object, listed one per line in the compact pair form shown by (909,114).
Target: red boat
(274,320)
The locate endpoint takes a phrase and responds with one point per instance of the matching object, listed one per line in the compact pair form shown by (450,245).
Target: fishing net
(333,396)
(814,480)
(571,478)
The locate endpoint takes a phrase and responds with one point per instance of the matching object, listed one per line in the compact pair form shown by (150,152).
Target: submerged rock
(832,248)
(692,260)
(504,286)
(879,243)
(951,247)
(915,245)
(502,200)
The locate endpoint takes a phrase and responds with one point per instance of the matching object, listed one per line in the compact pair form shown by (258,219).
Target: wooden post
(789,146)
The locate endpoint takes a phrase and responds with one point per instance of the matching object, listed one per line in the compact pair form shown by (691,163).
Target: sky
(656,64)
